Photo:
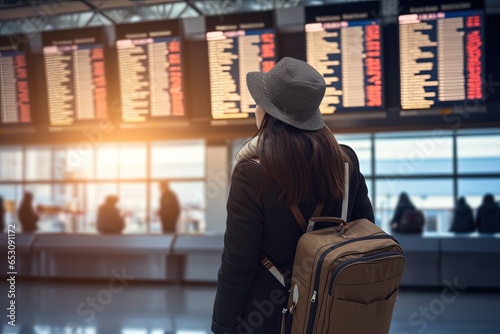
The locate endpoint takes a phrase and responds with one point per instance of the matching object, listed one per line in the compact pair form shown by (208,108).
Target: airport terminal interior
(116,105)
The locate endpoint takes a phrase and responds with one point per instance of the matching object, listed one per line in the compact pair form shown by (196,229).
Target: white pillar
(217,188)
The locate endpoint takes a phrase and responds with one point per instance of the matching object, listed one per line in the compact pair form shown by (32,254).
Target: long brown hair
(308,166)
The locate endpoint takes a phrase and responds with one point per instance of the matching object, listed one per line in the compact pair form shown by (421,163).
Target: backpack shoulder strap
(345,201)
(268,264)
(301,221)
(299,218)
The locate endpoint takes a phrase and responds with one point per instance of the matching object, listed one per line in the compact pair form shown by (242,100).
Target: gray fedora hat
(291,92)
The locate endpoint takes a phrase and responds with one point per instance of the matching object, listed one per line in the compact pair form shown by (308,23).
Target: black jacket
(169,211)
(109,220)
(488,215)
(463,219)
(248,297)
(404,205)
(26,214)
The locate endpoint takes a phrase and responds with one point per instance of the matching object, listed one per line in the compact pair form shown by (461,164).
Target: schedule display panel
(75,76)
(344,43)
(14,92)
(150,71)
(441,48)
(237,44)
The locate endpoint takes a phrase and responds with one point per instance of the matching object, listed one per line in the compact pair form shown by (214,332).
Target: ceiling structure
(29,16)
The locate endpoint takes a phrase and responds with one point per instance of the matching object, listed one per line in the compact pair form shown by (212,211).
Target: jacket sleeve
(242,243)
(362,207)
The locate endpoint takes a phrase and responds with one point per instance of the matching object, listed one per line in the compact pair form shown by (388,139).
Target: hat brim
(257,88)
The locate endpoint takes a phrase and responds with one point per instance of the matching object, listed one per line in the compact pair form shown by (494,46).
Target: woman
(463,218)
(109,220)
(404,205)
(293,160)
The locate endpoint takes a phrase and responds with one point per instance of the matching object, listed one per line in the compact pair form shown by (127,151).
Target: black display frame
(145,29)
(263,20)
(20,43)
(100,36)
(452,108)
(362,11)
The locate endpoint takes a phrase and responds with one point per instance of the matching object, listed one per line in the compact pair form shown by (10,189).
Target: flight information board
(441,54)
(149,64)
(14,93)
(344,43)
(75,76)
(237,44)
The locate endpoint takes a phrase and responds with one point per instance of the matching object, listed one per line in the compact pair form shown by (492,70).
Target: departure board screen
(75,76)
(14,93)
(441,54)
(344,43)
(237,44)
(149,63)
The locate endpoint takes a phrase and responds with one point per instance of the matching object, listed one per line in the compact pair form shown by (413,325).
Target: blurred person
(407,219)
(109,219)
(300,164)
(26,214)
(488,215)
(404,204)
(463,218)
(2,215)
(169,208)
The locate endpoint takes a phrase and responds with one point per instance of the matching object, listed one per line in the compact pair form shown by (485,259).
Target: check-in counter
(202,256)
(146,257)
(421,260)
(471,260)
(431,259)
(24,265)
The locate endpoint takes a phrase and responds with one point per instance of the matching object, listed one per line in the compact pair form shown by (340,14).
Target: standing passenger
(26,213)
(300,163)
(169,208)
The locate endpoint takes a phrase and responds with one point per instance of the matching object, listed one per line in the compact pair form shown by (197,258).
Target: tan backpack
(345,278)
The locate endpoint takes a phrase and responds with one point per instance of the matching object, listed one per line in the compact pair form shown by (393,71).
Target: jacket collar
(248,151)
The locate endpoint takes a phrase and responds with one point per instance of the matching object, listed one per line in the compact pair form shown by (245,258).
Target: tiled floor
(95,308)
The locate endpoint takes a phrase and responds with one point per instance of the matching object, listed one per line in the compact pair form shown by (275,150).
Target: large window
(424,165)
(70,183)
(434,167)
(38,164)
(425,153)
(192,197)
(132,163)
(178,160)
(362,145)
(478,154)
(11,163)
(433,196)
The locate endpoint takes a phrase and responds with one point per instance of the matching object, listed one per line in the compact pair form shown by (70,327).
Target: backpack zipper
(312,314)
(347,263)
